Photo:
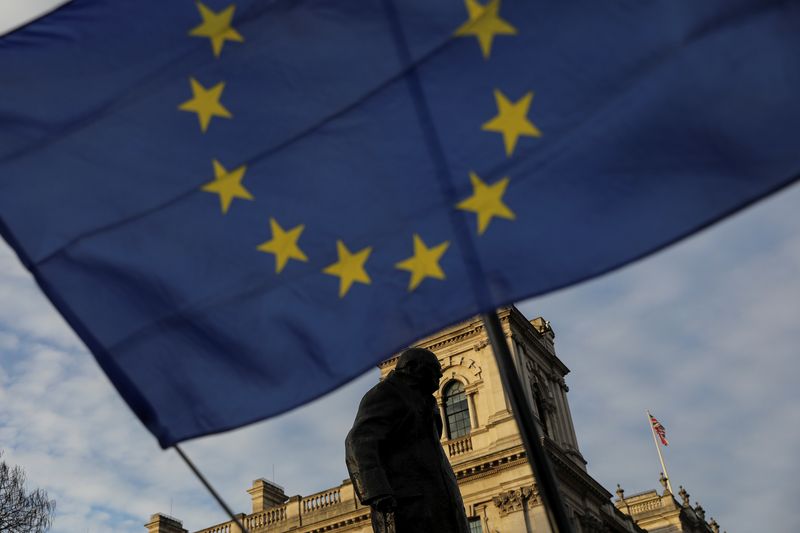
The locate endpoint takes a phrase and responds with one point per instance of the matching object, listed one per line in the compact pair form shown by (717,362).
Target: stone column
(348,494)
(473,412)
(445,436)
(560,414)
(523,364)
(564,390)
(294,512)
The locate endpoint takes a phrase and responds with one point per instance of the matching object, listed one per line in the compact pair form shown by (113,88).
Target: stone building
(662,513)
(482,442)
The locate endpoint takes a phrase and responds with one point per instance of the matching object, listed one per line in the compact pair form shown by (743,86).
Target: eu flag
(240,207)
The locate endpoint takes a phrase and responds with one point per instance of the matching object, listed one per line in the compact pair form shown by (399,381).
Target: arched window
(456,410)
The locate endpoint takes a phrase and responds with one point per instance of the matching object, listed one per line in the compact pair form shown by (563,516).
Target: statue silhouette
(394,456)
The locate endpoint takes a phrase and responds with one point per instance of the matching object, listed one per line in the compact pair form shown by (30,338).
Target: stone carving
(699,511)
(480,345)
(458,365)
(515,500)
(684,496)
(663,480)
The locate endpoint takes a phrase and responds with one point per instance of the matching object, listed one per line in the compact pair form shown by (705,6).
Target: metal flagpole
(658,449)
(210,489)
(527,427)
(542,469)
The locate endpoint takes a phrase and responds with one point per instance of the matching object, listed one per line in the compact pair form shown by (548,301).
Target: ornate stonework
(663,513)
(515,500)
(465,368)
(497,486)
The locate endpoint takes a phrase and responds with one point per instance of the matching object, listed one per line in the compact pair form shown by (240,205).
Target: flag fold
(240,207)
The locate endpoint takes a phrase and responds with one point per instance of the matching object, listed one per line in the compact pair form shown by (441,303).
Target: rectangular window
(475,525)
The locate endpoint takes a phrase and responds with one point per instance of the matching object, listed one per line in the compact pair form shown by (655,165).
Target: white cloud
(75,438)
(25,310)
(18,12)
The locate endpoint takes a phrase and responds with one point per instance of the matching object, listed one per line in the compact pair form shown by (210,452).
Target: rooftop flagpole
(658,449)
(531,438)
(210,489)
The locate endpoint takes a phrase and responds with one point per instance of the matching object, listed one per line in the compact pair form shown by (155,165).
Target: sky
(704,334)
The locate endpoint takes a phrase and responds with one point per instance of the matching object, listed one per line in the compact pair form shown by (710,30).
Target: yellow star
(512,120)
(228,185)
(484,23)
(283,244)
(217,27)
(205,102)
(424,263)
(487,201)
(349,268)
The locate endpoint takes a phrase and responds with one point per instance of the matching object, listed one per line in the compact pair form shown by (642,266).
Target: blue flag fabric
(241,207)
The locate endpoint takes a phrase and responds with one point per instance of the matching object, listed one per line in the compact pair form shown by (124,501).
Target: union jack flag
(659,429)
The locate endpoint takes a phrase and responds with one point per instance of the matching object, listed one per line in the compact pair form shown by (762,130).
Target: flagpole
(658,449)
(531,438)
(210,489)
(542,471)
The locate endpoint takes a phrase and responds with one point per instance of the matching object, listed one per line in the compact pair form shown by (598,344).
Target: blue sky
(704,334)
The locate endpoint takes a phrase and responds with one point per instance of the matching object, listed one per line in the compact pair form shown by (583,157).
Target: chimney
(266,494)
(161,523)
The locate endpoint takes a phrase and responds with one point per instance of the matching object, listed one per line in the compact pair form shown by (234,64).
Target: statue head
(422,367)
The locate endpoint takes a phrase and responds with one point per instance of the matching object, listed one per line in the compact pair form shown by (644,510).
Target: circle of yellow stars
(484,23)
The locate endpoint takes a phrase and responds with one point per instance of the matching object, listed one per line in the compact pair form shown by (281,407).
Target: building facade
(482,442)
(662,513)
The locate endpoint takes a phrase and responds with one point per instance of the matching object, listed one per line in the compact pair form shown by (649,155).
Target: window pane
(475,525)
(456,410)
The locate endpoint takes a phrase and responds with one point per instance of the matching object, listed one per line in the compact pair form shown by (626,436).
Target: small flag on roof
(660,430)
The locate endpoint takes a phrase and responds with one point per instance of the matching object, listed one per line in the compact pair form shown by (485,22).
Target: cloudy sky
(705,334)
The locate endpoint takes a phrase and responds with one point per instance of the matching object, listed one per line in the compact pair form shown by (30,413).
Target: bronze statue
(394,456)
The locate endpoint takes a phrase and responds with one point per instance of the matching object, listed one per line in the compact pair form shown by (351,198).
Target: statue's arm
(379,413)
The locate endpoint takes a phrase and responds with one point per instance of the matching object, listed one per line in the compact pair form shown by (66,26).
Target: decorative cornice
(471,327)
(516,325)
(569,471)
(453,339)
(520,326)
(349,521)
(490,467)
(471,330)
